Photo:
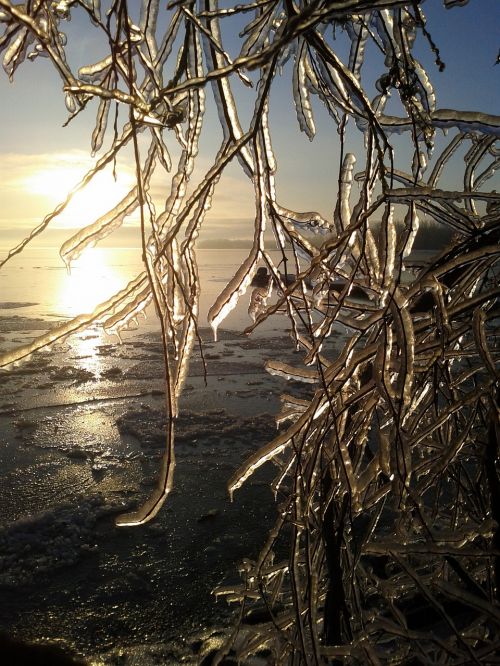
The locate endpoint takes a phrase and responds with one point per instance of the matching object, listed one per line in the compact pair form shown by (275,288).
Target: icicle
(16,52)
(359,36)
(343,210)
(236,287)
(465,121)
(102,227)
(135,305)
(100,127)
(280,369)
(303,106)
(70,103)
(96,72)
(267,452)
(406,343)
(153,504)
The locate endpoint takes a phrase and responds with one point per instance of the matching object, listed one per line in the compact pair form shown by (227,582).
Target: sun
(57,178)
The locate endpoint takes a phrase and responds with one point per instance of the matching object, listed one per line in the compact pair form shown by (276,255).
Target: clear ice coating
(387,474)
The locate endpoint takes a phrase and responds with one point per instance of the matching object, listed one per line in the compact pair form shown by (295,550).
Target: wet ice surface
(81,432)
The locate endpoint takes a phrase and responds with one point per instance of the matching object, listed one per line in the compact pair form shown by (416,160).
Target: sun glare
(92,280)
(99,196)
(95,276)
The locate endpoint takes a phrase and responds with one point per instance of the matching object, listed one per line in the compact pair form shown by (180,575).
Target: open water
(38,278)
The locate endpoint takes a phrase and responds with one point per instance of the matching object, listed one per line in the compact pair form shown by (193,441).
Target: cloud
(17,169)
(233,196)
(32,185)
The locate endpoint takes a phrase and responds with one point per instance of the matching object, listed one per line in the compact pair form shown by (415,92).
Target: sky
(39,159)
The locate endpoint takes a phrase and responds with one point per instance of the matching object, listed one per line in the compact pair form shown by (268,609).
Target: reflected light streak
(85,347)
(92,279)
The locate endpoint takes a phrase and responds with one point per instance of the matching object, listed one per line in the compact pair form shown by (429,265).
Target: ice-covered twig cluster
(386,548)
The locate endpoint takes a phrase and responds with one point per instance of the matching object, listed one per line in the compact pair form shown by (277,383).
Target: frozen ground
(81,430)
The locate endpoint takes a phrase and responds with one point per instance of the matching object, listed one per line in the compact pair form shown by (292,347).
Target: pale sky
(39,159)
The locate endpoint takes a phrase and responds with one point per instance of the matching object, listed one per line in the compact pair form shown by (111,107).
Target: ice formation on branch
(388,483)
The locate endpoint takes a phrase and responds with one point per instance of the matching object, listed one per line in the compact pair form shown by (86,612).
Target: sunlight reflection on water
(86,347)
(40,282)
(95,276)
(93,279)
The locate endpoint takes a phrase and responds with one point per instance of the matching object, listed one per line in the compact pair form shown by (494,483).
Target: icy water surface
(37,284)
(81,431)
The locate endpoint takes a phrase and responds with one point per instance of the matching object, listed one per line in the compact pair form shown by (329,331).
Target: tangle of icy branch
(387,481)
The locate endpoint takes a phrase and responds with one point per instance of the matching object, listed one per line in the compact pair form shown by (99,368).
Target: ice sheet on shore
(10,323)
(14,305)
(85,443)
(148,427)
(55,538)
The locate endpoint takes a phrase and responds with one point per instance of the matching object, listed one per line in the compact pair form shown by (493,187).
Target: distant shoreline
(429,237)
(207,245)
